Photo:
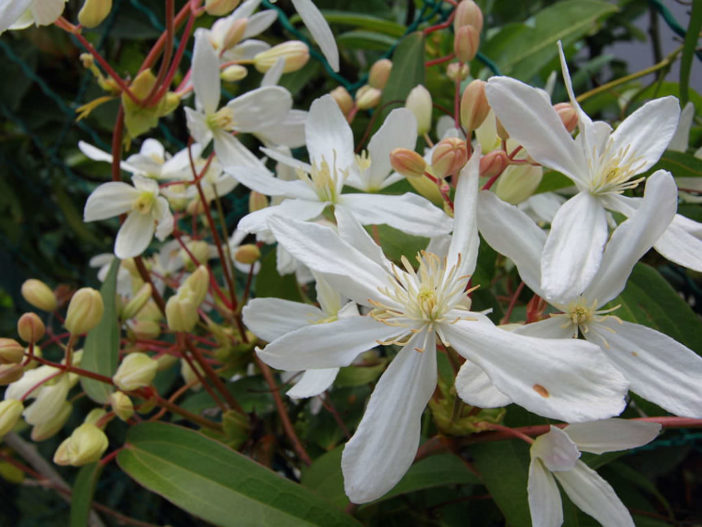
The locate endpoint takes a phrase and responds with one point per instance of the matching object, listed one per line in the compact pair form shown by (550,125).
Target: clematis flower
(564,379)
(147,213)
(556,454)
(601,163)
(19,14)
(658,367)
(220,34)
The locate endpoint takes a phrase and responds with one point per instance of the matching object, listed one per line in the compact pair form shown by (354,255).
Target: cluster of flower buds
(467,26)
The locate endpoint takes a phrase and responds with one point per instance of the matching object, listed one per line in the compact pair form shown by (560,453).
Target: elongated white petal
(287,160)
(585,138)
(231,152)
(328,134)
(272,76)
(108,200)
(258,23)
(563,379)
(300,209)
(10,11)
(594,496)
(386,441)
(534,124)
(398,131)
(658,367)
(633,238)
(205,76)
(352,232)
(610,435)
(197,126)
(164,219)
(544,498)
(682,243)
(320,30)
(556,449)
(550,328)
(313,382)
(271,318)
(573,248)
(408,212)
(46,12)
(264,182)
(94,153)
(134,235)
(260,108)
(681,138)
(465,240)
(289,132)
(475,388)
(326,345)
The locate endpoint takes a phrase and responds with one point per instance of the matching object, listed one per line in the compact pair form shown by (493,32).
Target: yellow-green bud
(143,83)
(195,207)
(379,73)
(518,182)
(474,105)
(457,71)
(175,200)
(171,101)
(220,7)
(257,201)
(233,73)
(30,328)
(136,371)
(145,329)
(197,284)
(85,445)
(10,373)
(166,361)
(420,104)
(247,254)
(94,12)
(137,302)
(84,311)
(468,14)
(121,405)
(10,411)
(49,428)
(11,351)
(343,99)
(465,43)
(181,313)
(449,156)
(94,416)
(39,295)
(189,374)
(367,97)
(295,53)
(407,162)
(199,249)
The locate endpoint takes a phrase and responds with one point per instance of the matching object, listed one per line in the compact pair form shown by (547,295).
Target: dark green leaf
(370,23)
(679,164)
(82,496)
(270,283)
(691,38)
(553,181)
(365,40)
(396,243)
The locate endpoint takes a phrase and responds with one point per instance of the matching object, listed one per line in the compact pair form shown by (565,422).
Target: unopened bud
(136,371)
(493,163)
(220,7)
(50,427)
(474,105)
(518,183)
(94,416)
(84,311)
(233,73)
(449,156)
(166,362)
(121,405)
(10,411)
(235,32)
(11,351)
(420,104)
(468,14)
(457,71)
(380,73)
(197,284)
(85,445)
(295,53)
(407,162)
(247,254)
(257,201)
(176,197)
(568,115)
(137,302)
(170,102)
(343,99)
(145,329)
(189,375)
(87,60)
(10,373)
(39,295)
(199,250)
(465,43)
(181,313)
(143,83)
(30,328)
(195,207)
(94,12)
(367,97)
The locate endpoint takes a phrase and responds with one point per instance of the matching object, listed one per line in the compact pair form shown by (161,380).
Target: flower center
(580,315)
(222,119)
(613,171)
(144,203)
(324,180)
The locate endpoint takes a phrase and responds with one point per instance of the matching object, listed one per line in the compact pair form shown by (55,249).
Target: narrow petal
(313,382)
(386,441)
(610,435)
(197,126)
(475,388)
(352,232)
(287,160)
(11,11)
(289,132)
(682,243)
(258,23)
(205,76)
(260,108)
(300,209)
(164,219)
(681,138)
(328,134)
(320,30)
(231,152)
(108,200)
(465,239)
(94,153)
(585,125)
(271,318)
(326,345)
(262,181)
(544,498)
(134,235)
(658,367)
(272,76)
(556,449)
(398,131)
(549,328)
(573,249)
(594,496)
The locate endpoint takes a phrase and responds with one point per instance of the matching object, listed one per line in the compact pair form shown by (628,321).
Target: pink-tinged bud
(235,33)
(295,53)
(94,12)
(408,162)
(84,311)
(457,71)
(247,254)
(493,163)
(10,411)
(11,351)
(220,7)
(136,371)
(568,115)
(121,405)
(474,105)
(30,328)
(10,373)
(449,156)
(233,73)
(39,295)
(466,42)
(468,14)
(85,445)
(257,201)
(420,104)
(380,73)
(343,99)
(367,97)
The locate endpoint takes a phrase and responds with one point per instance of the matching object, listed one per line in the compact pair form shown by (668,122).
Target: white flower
(568,380)
(147,212)
(556,453)
(601,163)
(19,14)
(658,368)
(255,24)
(320,30)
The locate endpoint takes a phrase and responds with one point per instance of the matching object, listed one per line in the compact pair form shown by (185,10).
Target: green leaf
(367,22)
(691,38)
(359,375)
(396,244)
(679,164)
(270,283)
(101,348)
(82,496)
(215,483)
(553,181)
(365,40)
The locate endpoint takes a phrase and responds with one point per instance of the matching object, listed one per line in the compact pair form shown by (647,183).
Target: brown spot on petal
(634,354)
(543,392)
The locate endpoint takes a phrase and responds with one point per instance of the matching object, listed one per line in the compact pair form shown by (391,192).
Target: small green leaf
(365,40)
(270,283)
(82,496)
(359,375)
(679,164)
(553,181)
(692,36)
(396,244)
(101,348)
(367,22)
(213,482)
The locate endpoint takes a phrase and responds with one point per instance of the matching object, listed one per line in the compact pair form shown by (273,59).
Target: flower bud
(247,253)
(189,375)
(257,201)
(85,445)
(568,115)
(39,295)
(50,427)
(518,183)
(121,405)
(10,373)
(468,14)
(84,311)
(181,313)
(166,361)
(367,97)
(449,156)
(197,284)
(200,251)
(343,99)
(10,411)
(220,7)
(11,351)
(195,207)
(94,12)
(501,132)
(295,53)
(233,73)
(136,371)
(420,104)
(94,416)
(30,328)
(493,163)
(466,42)
(474,105)
(176,197)
(457,71)
(235,32)
(407,162)
(145,329)
(379,73)
(137,302)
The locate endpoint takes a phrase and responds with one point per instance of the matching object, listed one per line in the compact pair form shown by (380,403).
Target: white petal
(272,76)
(259,108)
(258,23)
(247,50)
(289,132)
(585,137)
(328,298)
(398,131)
(197,126)
(96,154)
(325,345)
(287,160)
(594,496)
(658,367)
(164,219)
(386,441)
(465,239)
(108,200)
(300,209)
(46,12)
(10,11)
(550,328)
(320,30)
(260,180)
(556,449)
(544,498)
(681,137)
(682,243)
(328,135)
(313,382)
(351,231)
(134,235)
(573,248)
(409,212)
(231,152)
(205,73)
(475,388)
(610,435)
(271,318)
